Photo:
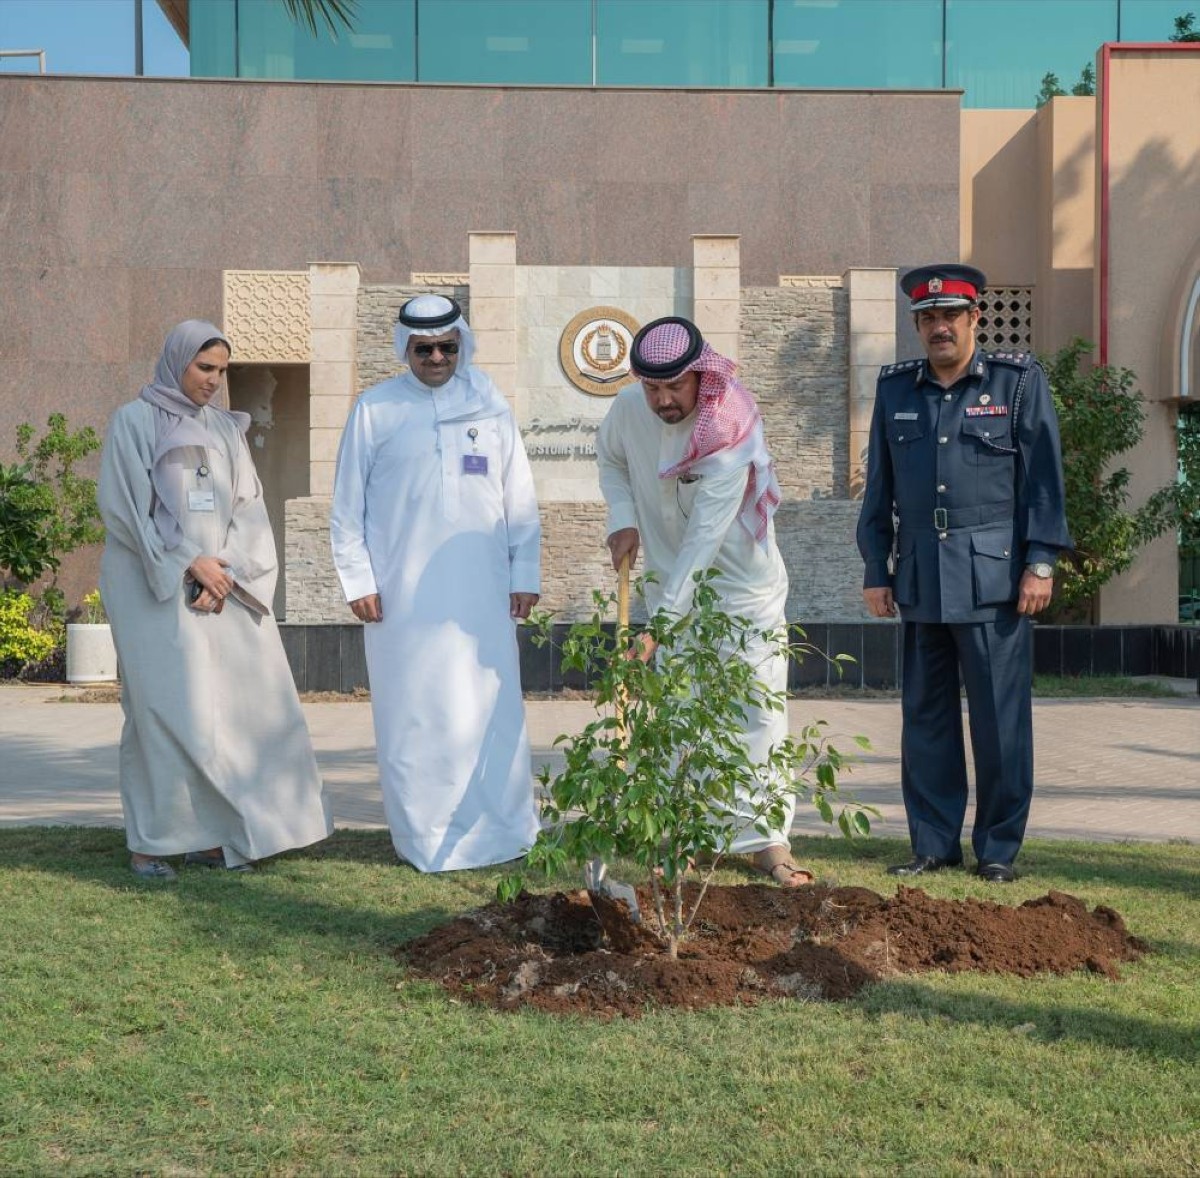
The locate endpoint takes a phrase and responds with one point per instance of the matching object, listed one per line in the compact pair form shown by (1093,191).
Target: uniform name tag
(201,501)
(986,411)
(905,417)
(474,464)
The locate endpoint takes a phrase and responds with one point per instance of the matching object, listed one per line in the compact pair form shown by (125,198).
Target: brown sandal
(776,864)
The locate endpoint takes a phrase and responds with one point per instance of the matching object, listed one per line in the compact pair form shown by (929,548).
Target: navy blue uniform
(964,489)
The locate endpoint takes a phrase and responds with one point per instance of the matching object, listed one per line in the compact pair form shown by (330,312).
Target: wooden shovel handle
(623,593)
(622,628)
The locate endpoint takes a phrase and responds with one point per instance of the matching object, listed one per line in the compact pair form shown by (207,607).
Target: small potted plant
(91,655)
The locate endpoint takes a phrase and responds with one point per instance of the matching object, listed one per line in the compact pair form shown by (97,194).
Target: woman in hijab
(216,763)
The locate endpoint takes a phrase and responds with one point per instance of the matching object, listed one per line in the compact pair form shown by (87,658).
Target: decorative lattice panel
(268,316)
(1006,318)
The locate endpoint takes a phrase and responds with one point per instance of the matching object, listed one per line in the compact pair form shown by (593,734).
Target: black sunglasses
(446,349)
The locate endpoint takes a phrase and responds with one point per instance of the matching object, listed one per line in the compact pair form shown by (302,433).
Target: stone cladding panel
(314,593)
(795,360)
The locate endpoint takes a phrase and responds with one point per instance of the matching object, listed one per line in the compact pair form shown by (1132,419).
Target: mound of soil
(551,952)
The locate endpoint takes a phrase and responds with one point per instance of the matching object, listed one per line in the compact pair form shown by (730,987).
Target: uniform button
(899,437)
(942,441)
(946,397)
(986,434)
(941,488)
(942,536)
(1006,552)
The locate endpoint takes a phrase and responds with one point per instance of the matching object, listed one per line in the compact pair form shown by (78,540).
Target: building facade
(300,213)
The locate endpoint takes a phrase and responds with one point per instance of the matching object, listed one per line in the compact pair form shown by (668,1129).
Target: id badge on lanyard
(202,498)
(474,463)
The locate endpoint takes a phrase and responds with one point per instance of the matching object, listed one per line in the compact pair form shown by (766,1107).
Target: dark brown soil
(752,942)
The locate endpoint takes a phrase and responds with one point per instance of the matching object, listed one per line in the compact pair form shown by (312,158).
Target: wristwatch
(1041,570)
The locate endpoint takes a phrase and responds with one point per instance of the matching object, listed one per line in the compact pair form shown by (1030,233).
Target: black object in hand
(194,592)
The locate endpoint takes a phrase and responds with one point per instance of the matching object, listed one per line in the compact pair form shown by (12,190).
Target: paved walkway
(1106,769)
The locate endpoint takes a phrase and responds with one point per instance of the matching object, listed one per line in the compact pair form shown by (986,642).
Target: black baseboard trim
(331,658)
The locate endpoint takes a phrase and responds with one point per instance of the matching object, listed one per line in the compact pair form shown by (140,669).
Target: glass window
(380,48)
(540,42)
(1154,20)
(859,43)
(998,51)
(681,42)
(212,38)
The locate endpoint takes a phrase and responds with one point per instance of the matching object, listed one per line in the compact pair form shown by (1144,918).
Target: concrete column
(492,258)
(717,289)
(334,293)
(872,297)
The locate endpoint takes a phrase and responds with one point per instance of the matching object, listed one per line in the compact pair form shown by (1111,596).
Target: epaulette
(1019,359)
(903,366)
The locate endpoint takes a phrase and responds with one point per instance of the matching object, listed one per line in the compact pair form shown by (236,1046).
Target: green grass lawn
(259,1024)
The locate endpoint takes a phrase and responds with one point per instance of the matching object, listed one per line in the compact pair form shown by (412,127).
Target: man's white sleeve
(522,519)
(348,514)
(615,484)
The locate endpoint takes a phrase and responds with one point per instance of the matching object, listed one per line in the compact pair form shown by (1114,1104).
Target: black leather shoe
(996,872)
(920,864)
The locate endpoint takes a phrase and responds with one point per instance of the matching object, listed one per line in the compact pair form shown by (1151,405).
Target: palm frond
(334,14)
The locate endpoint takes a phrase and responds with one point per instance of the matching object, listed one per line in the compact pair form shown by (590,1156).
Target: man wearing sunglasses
(436,541)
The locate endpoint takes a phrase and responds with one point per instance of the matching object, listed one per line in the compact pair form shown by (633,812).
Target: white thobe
(214,752)
(434,509)
(686,528)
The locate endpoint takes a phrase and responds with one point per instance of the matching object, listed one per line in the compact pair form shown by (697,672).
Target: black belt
(944,518)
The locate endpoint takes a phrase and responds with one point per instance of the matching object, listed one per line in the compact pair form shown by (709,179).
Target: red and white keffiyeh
(728,431)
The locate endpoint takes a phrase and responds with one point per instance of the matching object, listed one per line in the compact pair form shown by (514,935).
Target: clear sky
(89,37)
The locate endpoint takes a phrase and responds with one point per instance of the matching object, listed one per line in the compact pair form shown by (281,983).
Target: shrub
(21,642)
(46,508)
(655,777)
(1101,416)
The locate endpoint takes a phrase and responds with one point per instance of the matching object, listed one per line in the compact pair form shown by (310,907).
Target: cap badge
(935,286)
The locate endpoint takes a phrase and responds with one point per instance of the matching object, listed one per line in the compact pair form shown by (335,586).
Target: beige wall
(1066,223)
(1153,184)
(1027,180)
(998,188)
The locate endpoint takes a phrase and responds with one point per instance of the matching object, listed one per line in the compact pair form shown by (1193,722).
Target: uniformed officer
(961,526)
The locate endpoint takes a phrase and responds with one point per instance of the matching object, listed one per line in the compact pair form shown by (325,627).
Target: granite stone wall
(314,594)
(795,359)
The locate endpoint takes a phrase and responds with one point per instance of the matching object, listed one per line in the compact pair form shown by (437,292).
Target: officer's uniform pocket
(996,573)
(986,440)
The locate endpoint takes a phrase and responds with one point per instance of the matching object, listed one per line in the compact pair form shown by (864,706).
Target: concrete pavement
(1106,769)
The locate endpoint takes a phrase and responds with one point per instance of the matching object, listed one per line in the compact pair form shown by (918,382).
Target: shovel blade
(595,879)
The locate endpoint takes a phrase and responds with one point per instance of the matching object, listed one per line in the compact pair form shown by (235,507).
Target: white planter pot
(91,655)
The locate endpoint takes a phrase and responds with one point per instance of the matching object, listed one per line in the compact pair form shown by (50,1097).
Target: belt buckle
(941,519)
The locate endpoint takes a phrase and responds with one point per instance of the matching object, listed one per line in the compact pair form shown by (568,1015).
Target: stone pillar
(492,259)
(717,289)
(872,299)
(333,290)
